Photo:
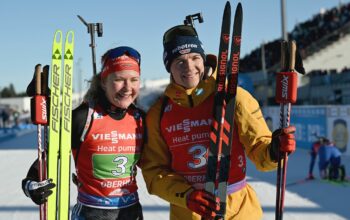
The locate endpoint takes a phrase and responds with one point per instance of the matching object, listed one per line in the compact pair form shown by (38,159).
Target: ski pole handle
(45,81)
(38,79)
(38,102)
(287,81)
(286,93)
(292,52)
(286,87)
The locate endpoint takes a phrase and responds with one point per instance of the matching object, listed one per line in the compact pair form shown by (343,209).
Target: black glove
(283,141)
(37,191)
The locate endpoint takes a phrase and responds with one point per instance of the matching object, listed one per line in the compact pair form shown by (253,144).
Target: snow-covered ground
(310,201)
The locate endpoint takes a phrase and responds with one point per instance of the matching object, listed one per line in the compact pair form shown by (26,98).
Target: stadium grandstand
(324,45)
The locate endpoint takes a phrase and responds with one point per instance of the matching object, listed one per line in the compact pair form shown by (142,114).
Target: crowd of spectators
(321,30)
(327,77)
(11,118)
(328,72)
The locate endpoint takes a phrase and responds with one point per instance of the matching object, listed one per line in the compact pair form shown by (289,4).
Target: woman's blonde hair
(95,90)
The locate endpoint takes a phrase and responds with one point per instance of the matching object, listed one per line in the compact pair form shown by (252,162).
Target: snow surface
(313,200)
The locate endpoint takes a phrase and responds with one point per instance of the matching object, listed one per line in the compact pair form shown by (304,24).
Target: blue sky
(27,29)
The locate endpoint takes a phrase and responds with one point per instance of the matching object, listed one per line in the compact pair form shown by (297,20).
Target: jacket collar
(185,97)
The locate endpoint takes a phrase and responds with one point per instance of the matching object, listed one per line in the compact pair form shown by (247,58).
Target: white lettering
(127,148)
(181,139)
(114,136)
(187,124)
(116,183)
(196,179)
(285,87)
(200,136)
(106,148)
(184,46)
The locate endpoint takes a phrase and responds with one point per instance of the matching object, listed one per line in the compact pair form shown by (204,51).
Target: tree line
(10,92)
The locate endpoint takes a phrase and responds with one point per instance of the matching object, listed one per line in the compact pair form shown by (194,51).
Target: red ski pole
(40,118)
(286,94)
(45,92)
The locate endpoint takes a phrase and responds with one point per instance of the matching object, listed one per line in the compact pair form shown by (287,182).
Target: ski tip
(227,11)
(227,6)
(70,37)
(58,36)
(70,32)
(239,8)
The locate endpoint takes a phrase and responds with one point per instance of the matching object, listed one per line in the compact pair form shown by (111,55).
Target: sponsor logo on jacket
(187,124)
(114,136)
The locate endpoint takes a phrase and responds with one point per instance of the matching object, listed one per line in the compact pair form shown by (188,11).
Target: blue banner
(309,122)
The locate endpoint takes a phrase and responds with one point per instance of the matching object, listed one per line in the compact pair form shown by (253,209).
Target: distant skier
(313,153)
(5,116)
(330,161)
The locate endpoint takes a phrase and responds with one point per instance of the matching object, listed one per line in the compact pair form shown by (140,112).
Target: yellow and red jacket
(168,179)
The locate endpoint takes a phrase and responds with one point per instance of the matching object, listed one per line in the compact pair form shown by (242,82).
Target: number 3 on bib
(199,159)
